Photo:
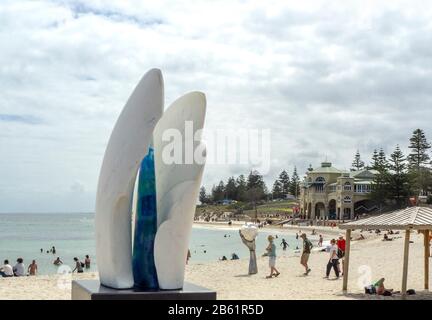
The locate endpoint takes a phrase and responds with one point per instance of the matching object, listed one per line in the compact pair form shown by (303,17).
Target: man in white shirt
(6,270)
(19,268)
(334,259)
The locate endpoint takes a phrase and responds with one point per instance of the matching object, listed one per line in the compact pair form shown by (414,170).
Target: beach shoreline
(371,259)
(290,229)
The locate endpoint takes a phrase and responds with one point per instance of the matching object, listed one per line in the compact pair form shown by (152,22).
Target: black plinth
(93,290)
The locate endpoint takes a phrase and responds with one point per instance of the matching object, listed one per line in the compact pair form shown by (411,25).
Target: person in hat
(271,251)
(341,243)
(307,246)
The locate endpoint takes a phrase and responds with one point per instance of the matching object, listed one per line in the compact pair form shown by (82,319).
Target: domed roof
(326,167)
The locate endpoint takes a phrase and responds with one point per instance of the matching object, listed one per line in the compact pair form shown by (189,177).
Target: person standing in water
(57,261)
(32,268)
(87,262)
(78,266)
(284,244)
(320,241)
(271,250)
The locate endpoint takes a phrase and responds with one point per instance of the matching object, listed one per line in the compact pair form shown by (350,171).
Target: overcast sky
(327,78)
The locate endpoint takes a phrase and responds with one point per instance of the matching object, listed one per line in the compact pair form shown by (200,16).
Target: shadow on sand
(420,295)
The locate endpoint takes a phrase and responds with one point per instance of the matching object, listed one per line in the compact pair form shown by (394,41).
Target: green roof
(326,167)
(365,174)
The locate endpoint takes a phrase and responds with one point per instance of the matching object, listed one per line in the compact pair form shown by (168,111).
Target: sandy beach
(371,259)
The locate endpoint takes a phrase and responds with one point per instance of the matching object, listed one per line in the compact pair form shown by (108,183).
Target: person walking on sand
(32,268)
(333,261)
(307,246)
(87,261)
(6,270)
(271,250)
(284,244)
(78,266)
(188,256)
(341,243)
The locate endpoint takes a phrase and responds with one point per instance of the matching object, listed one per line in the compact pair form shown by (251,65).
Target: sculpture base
(93,290)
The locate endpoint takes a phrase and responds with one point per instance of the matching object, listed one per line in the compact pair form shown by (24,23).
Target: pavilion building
(330,193)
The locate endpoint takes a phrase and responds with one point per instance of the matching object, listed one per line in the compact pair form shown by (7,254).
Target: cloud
(77,187)
(326,79)
(27,119)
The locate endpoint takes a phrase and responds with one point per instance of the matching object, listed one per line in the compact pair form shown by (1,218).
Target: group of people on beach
(336,252)
(20,270)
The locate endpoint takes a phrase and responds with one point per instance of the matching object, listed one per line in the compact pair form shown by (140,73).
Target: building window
(319,184)
(347,186)
(347,199)
(363,188)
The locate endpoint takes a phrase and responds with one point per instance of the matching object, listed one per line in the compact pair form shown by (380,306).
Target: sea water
(23,235)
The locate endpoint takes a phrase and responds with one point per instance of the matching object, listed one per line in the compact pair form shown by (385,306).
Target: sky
(326,77)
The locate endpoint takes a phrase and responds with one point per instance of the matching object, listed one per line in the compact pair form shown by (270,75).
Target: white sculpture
(177,187)
(249,231)
(177,184)
(248,234)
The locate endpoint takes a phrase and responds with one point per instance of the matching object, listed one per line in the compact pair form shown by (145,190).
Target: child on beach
(271,250)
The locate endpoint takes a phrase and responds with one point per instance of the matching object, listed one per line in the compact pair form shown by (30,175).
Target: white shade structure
(418,218)
(413,218)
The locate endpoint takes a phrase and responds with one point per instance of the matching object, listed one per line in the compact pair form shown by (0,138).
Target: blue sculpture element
(143,265)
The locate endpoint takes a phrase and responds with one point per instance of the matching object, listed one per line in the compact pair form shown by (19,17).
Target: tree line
(399,176)
(252,188)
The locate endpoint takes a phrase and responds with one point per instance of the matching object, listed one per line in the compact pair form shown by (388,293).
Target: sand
(371,259)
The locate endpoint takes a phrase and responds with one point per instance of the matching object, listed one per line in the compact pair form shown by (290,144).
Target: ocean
(25,234)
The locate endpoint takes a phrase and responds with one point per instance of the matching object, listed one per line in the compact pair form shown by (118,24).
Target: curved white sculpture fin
(127,146)
(173,236)
(177,186)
